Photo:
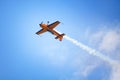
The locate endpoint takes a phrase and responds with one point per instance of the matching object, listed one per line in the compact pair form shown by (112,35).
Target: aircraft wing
(53,25)
(41,31)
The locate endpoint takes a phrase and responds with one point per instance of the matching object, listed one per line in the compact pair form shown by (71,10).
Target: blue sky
(27,56)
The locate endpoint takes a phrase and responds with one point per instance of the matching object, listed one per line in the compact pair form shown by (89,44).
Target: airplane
(50,28)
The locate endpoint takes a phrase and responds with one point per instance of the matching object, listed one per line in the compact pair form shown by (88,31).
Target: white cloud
(115,72)
(110,41)
(88,70)
(96,37)
(106,40)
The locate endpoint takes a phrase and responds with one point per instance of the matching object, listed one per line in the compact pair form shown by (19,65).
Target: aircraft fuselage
(50,28)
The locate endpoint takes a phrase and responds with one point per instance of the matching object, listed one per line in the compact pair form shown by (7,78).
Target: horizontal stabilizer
(60,37)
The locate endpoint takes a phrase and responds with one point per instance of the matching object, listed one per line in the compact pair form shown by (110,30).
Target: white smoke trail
(92,51)
(115,65)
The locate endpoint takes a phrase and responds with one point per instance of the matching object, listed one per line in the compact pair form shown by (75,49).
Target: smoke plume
(92,51)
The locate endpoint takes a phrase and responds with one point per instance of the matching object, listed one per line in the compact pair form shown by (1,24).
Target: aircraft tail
(60,37)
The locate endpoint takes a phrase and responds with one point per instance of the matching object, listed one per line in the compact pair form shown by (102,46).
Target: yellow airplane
(50,28)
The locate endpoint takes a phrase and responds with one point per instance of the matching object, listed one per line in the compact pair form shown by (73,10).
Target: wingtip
(36,33)
(58,21)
